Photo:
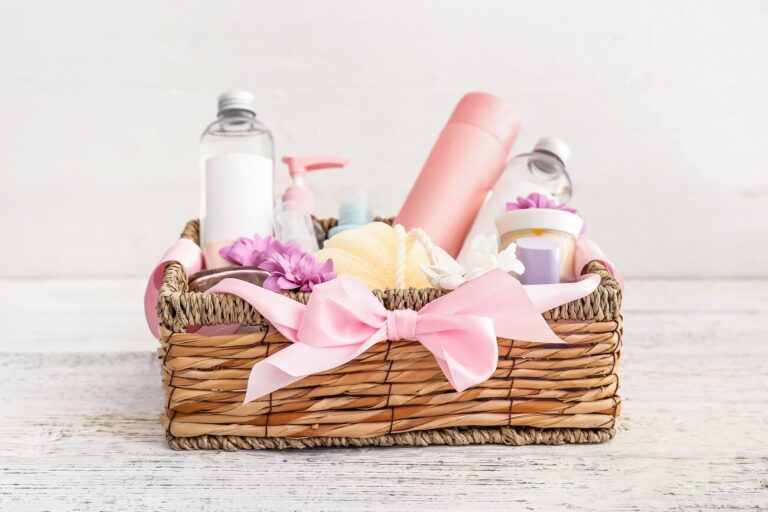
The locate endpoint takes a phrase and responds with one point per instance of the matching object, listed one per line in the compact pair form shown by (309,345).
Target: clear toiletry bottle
(542,170)
(353,210)
(237,185)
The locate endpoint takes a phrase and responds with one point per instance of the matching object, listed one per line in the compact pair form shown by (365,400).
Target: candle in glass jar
(559,225)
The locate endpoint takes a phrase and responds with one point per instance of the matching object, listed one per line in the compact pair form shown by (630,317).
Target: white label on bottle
(238,196)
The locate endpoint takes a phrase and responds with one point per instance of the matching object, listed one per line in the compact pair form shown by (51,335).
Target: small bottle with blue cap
(353,210)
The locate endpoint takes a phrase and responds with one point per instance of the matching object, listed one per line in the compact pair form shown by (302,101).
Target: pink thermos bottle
(466,161)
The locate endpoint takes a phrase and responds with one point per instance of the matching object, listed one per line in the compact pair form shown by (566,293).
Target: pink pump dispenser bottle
(300,195)
(463,166)
(295,221)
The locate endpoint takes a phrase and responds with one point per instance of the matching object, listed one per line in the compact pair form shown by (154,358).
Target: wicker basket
(393,394)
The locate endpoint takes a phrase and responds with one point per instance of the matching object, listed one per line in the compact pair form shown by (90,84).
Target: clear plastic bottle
(542,170)
(237,180)
(543,167)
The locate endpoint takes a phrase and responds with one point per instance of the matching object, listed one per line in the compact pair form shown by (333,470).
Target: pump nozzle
(298,166)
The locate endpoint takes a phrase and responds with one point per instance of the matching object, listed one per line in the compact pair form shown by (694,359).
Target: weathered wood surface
(80,429)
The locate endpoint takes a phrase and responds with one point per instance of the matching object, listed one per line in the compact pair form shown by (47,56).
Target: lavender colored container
(541,257)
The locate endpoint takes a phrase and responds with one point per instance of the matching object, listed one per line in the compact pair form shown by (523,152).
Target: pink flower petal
(536,200)
(296,271)
(270,283)
(286,284)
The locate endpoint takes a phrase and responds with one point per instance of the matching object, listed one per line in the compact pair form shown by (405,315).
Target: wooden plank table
(81,430)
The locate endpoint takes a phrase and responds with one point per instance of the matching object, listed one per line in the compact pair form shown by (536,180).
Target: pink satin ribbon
(188,254)
(343,319)
(587,251)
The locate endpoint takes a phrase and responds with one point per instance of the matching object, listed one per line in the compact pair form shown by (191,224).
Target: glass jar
(560,225)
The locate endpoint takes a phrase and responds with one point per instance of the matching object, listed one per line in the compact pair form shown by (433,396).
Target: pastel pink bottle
(463,166)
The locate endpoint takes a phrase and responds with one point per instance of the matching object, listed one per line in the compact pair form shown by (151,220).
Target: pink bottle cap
(491,114)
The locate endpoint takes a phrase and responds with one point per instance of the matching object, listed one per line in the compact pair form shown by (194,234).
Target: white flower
(483,256)
(445,272)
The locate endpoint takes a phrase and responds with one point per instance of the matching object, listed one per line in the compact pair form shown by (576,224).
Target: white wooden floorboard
(73,315)
(80,430)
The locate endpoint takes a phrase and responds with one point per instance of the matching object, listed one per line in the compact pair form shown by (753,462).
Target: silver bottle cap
(554,146)
(241,100)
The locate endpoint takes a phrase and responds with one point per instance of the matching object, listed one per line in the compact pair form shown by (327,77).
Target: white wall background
(102,103)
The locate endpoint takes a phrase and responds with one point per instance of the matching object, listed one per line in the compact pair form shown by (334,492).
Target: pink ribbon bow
(343,319)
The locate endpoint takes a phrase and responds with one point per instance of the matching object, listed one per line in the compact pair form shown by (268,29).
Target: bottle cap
(555,147)
(353,211)
(242,100)
(491,114)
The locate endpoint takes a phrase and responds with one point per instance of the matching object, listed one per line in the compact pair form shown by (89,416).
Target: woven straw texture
(394,393)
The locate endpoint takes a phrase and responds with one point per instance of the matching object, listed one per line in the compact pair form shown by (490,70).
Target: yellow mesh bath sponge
(371,253)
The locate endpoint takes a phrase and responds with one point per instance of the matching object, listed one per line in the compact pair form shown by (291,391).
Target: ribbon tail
(460,375)
(527,324)
(502,298)
(465,347)
(296,361)
(549,296)
(266,378)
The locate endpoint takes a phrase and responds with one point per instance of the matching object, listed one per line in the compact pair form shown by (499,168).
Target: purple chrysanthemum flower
(536,200)
(297,271)
(253,252)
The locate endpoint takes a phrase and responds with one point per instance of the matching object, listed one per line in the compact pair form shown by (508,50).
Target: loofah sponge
(370,253)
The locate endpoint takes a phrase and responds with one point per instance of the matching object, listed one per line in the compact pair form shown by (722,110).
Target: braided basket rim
(178,307)
(510,436)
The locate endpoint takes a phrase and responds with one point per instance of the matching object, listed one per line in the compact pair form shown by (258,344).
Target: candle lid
(540,218)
